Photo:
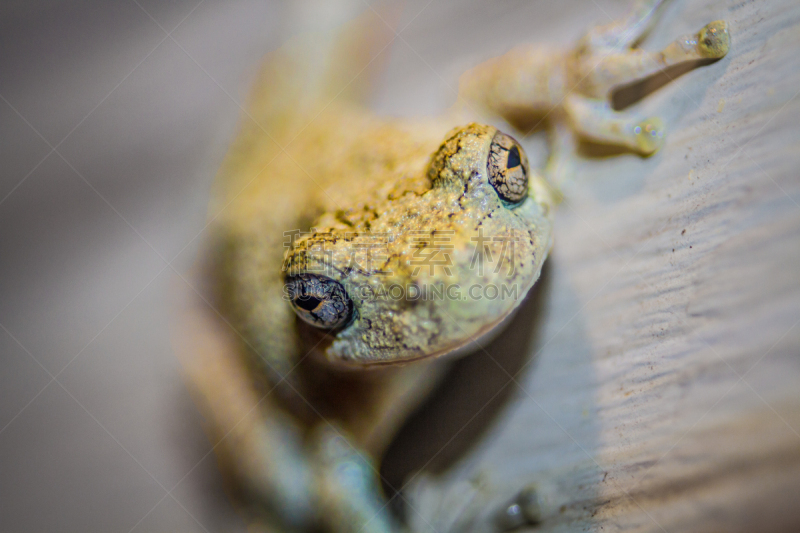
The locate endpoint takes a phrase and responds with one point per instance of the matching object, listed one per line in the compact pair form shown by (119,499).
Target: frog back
(307,146)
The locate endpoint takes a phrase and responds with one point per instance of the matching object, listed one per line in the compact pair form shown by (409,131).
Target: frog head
(421,274)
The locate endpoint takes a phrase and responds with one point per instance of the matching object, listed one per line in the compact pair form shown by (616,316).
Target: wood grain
(659,387)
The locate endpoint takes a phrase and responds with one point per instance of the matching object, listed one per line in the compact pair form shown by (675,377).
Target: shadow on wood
(463,409)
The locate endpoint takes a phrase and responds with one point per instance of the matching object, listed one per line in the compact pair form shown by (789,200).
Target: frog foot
(713,40)
(524,510)
(649,135)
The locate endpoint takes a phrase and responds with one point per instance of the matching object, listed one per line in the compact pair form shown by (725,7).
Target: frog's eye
(319,300)
(508,169)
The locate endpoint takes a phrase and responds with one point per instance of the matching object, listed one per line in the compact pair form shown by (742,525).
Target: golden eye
(508,169)
(319,300)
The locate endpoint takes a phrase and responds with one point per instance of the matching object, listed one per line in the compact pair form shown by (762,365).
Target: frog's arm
(295,480)
(577,85)
(591,115)
(221,384)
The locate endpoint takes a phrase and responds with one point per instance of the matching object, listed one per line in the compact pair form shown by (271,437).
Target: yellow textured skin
(314,176)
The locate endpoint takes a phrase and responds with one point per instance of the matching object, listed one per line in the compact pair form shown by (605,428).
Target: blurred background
(113,119)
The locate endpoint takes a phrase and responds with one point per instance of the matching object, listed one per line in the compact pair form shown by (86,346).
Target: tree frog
(351,252)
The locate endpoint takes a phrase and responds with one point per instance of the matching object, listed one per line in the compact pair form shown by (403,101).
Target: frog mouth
(472,344)
(323,339)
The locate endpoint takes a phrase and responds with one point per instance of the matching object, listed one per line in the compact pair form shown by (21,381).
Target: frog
(352,255)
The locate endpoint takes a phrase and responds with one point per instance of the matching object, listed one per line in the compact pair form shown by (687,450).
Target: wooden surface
(655,390)
(660,390)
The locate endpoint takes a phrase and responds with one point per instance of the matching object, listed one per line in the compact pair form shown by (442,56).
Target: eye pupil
(319,300)
(308,303)
(508,170)
(513,158)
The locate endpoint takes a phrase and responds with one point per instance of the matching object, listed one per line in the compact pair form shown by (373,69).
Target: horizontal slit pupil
(307,303)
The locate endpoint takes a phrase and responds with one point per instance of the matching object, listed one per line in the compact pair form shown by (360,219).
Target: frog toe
(649,135)
(714,41)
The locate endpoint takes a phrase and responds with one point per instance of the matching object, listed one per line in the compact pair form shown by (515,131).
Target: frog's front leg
(595,120)
(625,32)
(602,69)
(534,80)
(291,479)
(578,85)
(348,495)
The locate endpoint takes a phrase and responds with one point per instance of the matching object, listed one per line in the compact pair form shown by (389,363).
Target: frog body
(350,252)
